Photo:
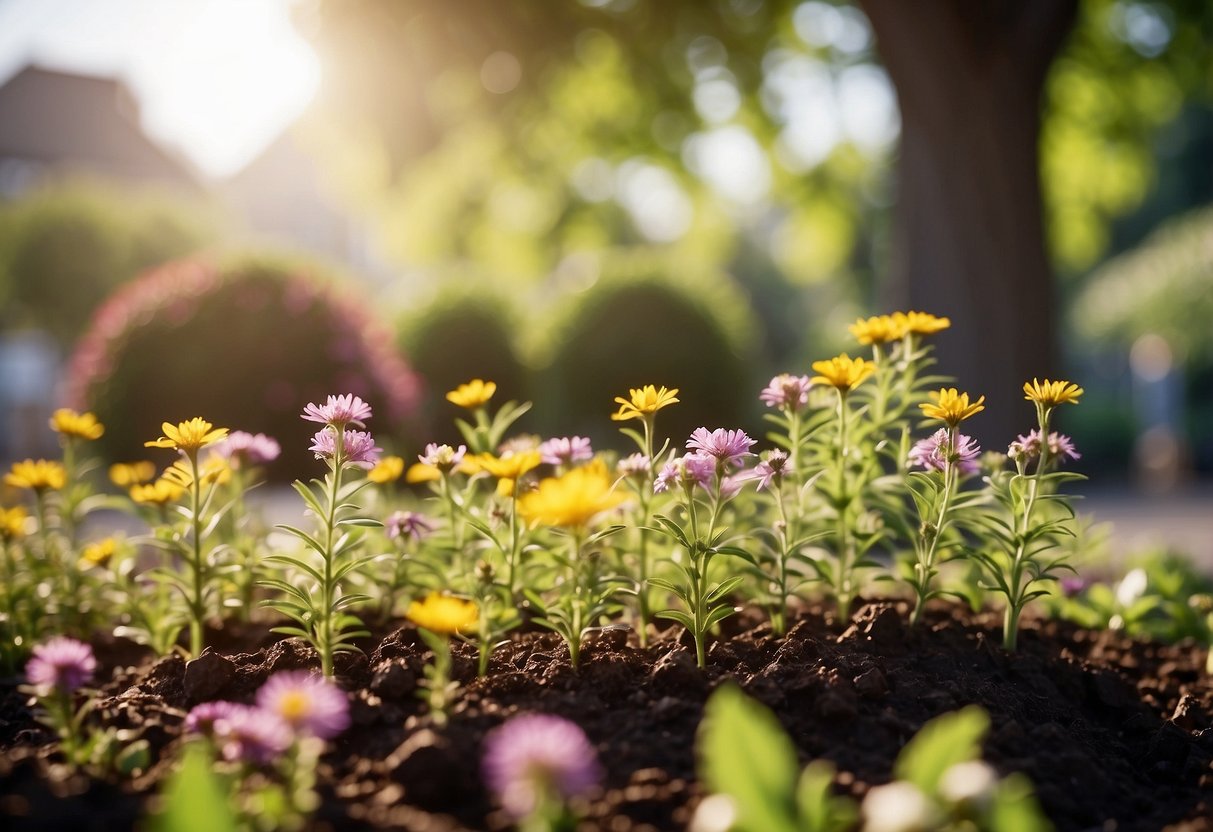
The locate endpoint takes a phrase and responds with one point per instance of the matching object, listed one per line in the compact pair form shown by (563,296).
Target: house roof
(83,123)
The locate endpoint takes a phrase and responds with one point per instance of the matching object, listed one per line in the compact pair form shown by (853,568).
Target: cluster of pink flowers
(1061,447)
(787,392)
(566,450)
(358,447)
(244,448)
(934,453)
(289,706)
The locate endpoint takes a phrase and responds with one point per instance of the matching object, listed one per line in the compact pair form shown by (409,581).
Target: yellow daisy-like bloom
(444,614)
(386,470)
(880,329)
(37,475)
(951,406)
(214,469)
(189,436)
(843,372)
(510,466)
(68,422)
(572,499)
(99,553)
(643,401)
(126,474)
(476,393)
(12,522)
(920,323)
(159,493)
(1049,394)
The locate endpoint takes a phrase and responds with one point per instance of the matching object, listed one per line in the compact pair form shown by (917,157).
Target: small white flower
(897,807)
(1131,587)
(973,782)
(715,813)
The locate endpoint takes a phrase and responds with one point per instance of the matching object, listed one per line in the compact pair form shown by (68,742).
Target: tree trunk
(969,238)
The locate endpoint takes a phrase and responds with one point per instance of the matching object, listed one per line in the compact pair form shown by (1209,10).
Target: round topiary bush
(244,344)
(462,333)
(642,323)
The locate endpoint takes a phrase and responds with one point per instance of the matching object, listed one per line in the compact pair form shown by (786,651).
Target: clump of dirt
(1113,732)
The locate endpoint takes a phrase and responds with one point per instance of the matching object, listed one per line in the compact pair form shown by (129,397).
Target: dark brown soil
(1113,732)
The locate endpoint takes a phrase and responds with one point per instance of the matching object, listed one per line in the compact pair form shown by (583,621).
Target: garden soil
(1114,733)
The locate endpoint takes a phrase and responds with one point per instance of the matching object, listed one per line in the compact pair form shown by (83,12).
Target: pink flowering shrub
(243,342)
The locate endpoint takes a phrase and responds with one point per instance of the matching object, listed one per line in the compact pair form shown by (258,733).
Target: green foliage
(463,332)
(942,743)
(244,343)
(64,248)
(644,323)
(196,797)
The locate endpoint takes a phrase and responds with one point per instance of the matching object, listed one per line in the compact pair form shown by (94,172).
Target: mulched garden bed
(1113,732)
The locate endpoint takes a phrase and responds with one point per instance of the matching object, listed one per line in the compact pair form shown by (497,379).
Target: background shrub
(640,323)
(245,344)
(66,247)
(464,332)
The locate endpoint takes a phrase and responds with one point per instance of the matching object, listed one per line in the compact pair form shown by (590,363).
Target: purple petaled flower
(636,465)
(566,450)
(203,718)
(443,457)
(934,452)
(1028,447)
(728,446)
(402,524)
(1072,585)
(771,468)
(787,392)
(533,757)
(241,732)
(689,469)
(309,704)
(358,446)
(246,448)
(339,411)
(62,663)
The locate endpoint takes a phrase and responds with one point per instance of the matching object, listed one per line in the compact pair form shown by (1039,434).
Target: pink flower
(358,447)
(339,411)
(727,446)
(247,448)
(566,450)
(636,465)
(531,754)
(1061,447)
(688,470)
(403,524)
(770,469)
(62,663)
(309,704)
(443,457)
(787,392)
(934,452)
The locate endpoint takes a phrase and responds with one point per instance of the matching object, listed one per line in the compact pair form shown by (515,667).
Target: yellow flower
(37,475)
(843,372)
(214,469)
(387,470)
(99,553)
(878,330)
(920,323)
(510,466)
(573,499)
(68,422)
(12,522)
(1049,394)
(643,401)
(159,493)
(188,436)
(444,614)
(126,474)
(423,472)
(951,407)
(472,395)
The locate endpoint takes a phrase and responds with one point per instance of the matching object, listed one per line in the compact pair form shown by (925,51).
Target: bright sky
(218,79)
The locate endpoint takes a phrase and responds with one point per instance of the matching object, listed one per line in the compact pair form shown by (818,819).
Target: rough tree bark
(969,238)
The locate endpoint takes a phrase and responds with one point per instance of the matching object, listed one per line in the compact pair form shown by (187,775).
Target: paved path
(1182,520)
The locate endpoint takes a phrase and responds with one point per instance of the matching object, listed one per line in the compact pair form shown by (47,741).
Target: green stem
(926,566)
(843,581)
(325,636)
(1010,631)
(197,601)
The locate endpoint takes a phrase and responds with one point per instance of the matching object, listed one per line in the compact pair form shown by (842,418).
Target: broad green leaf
(942,743)
(745,754)
(196,798)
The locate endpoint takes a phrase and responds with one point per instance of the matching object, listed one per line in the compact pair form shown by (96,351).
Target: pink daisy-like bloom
(241,732)
(339,411)
(443,457)
(933,453)
(536,755)
(566,450)
(402,524)
(246,448)
(787,392)
(689,469)
(309,704)
(1061,447)
(202,718)
(359,447)
(61,663)
(636,465)
(730,447)
(770,469)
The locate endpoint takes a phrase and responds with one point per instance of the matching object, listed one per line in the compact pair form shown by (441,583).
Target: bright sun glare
(217,78)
